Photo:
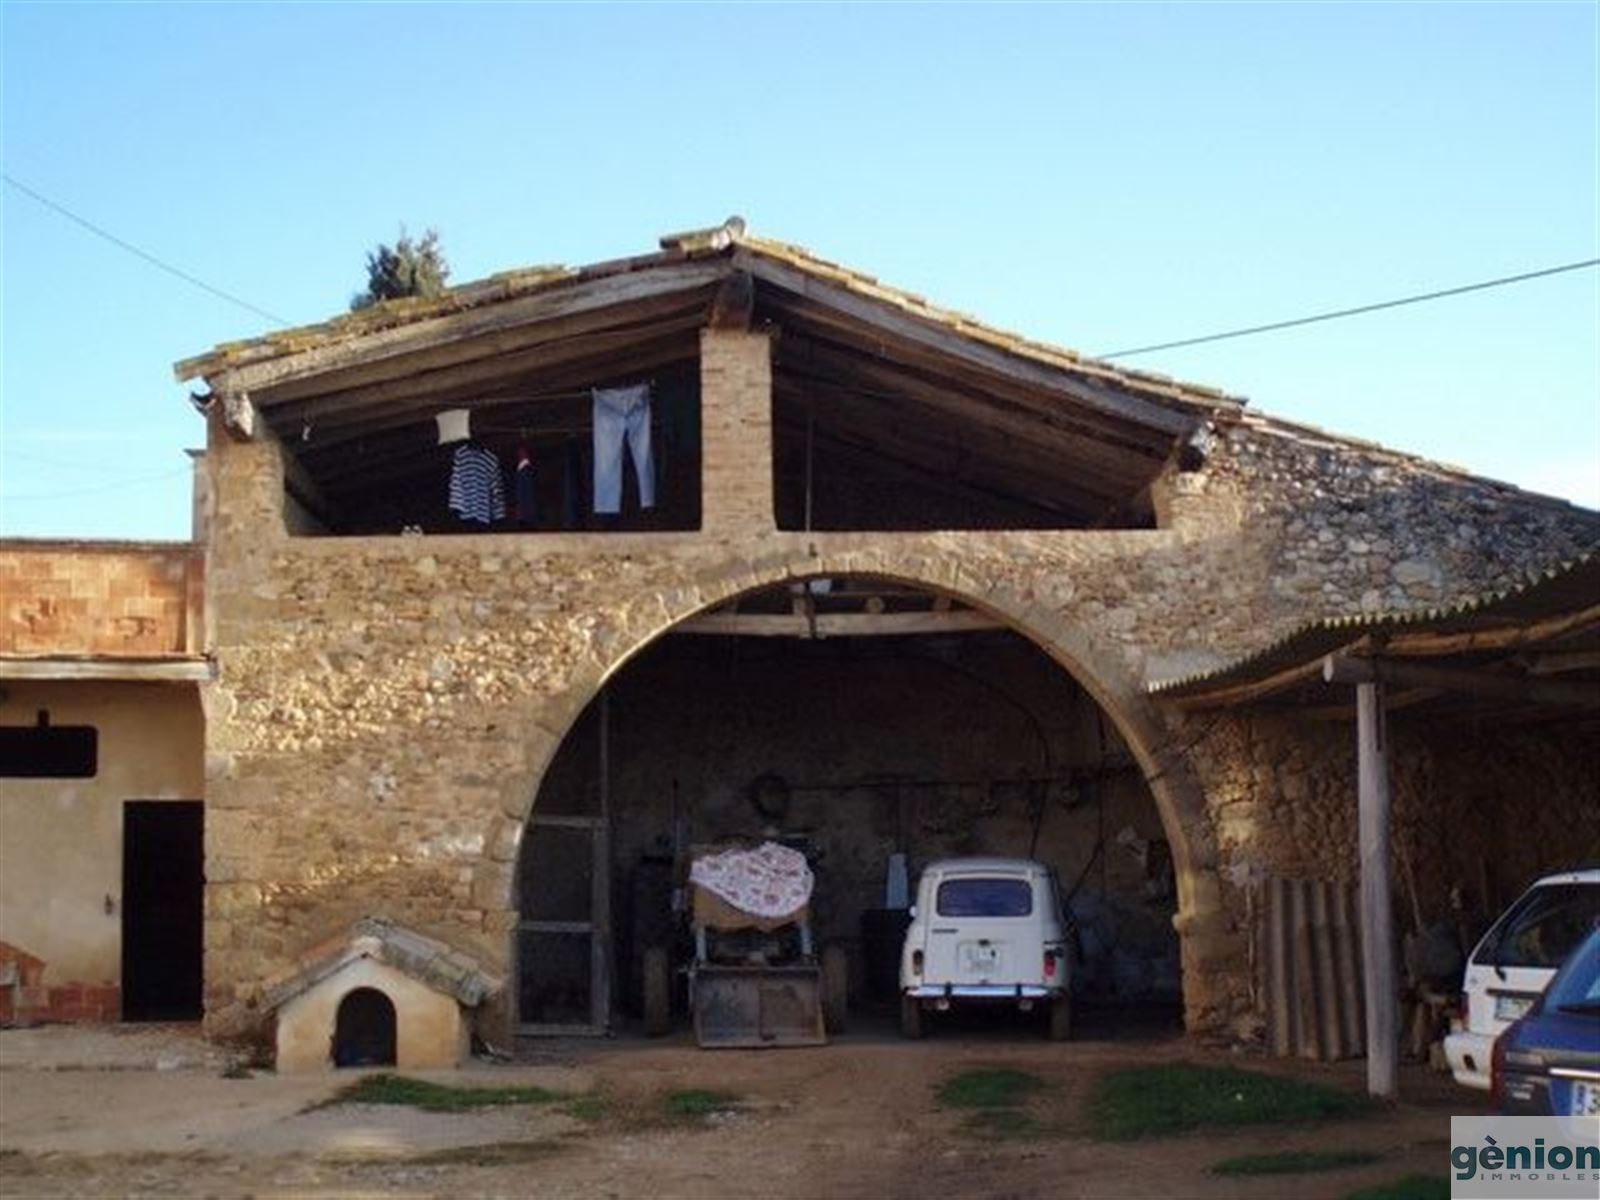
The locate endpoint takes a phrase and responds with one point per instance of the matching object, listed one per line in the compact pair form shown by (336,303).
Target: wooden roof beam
(402,341)
(1346,668)
(478,374)
(816,362)
(344,387)
(826,624)
(597,360)
(857,351)
(951,343)
(904,422)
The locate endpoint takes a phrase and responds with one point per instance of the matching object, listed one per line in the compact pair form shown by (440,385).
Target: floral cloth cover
(769,881)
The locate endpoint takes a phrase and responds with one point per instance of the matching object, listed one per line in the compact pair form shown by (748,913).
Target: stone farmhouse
(906,584)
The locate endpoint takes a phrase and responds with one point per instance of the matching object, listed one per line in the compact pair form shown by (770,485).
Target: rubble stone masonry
(385,706)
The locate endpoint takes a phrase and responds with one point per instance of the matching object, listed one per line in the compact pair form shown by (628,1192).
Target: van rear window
(985,898)
(1542,927)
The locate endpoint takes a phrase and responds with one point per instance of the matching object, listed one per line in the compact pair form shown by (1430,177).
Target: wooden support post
(734,304)
(811,450)
(600,895)
(1380,985)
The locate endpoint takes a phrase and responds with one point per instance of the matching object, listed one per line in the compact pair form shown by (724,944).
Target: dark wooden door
(163,909)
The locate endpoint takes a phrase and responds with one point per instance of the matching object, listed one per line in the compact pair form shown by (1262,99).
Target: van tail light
(1497,1071)
(916,962)
(1051,958)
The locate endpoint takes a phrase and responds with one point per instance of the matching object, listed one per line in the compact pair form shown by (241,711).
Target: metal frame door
(596,930)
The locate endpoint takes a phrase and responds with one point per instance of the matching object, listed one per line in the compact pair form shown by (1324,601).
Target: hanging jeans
(622,414)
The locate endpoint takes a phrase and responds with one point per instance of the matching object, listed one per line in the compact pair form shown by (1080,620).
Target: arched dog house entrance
(364,1031)
(871,723)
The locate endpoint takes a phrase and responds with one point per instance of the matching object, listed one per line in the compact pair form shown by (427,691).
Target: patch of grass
(696,1104)
(1140,1102)
(436,1097)
(491,1154)
(988,1087)
(1003,1124)
(591,1107)
(1409,1187)
(1294,1162)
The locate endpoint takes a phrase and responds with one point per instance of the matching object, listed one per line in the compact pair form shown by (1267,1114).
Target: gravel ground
(856,1118)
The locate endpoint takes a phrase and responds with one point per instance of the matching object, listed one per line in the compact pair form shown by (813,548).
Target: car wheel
(657,991)
(911,1017)
(1061,1018)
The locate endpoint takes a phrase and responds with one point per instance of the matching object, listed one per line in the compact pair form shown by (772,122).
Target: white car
(1514,962)
(986,931)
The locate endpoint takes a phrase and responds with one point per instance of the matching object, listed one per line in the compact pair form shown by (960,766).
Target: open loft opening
(856,720)
(887,413)
(876,433)
(576,410)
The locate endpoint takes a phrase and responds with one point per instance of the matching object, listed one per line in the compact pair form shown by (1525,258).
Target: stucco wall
(429,1031)
(61,839)
(385,707)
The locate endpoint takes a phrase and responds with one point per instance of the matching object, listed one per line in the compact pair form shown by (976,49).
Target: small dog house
(381,995)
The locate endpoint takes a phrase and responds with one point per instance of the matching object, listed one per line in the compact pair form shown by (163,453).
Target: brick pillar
(736,422)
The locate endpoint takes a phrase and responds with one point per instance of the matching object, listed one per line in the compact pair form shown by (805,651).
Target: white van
(986,931)
(1516,959)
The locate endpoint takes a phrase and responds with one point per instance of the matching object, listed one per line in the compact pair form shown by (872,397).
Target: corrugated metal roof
(1567,587)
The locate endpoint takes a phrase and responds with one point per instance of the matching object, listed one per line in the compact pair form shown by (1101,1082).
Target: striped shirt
(476,490)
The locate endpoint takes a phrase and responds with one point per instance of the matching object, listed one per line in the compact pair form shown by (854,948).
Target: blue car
(1548,1062)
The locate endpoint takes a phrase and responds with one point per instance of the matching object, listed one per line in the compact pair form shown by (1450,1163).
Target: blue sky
(1097,175)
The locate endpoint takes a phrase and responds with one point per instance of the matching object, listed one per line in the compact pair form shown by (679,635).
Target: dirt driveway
(857,1118)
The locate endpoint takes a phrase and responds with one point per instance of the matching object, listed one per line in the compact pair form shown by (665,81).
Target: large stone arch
(1201,920)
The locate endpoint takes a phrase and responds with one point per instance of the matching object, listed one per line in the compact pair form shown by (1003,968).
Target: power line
(144,254)
(1351,312)
(113,486)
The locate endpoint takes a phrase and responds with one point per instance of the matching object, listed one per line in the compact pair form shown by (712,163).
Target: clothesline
(560,431)
(622,427)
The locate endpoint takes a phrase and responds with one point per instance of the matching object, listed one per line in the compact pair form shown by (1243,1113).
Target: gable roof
(922,391)
(430,962)
(729,241)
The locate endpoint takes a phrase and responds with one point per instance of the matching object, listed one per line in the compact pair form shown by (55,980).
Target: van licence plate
(1584,1099)
(979,960)
(1509,1008)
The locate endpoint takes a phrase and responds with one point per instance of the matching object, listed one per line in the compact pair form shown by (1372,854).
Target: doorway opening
(875,727)
(163,909)
(364,1030)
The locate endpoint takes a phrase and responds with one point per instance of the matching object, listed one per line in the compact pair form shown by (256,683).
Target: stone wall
(1480,809)
(385,707)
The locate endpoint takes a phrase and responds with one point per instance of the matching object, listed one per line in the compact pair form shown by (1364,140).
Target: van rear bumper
(982,991)
(1468,1055)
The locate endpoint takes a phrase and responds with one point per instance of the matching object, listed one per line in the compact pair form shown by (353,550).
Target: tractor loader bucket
(754,1006)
